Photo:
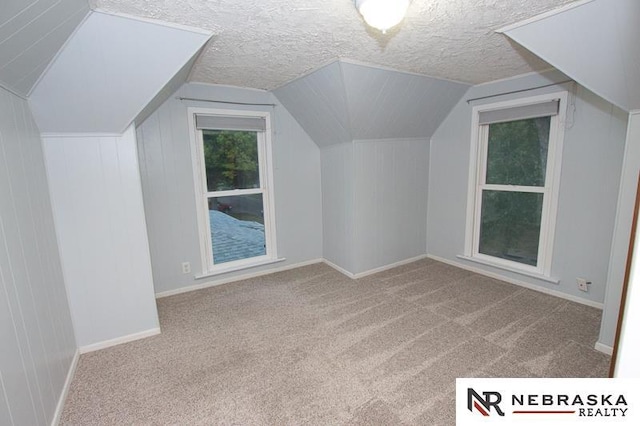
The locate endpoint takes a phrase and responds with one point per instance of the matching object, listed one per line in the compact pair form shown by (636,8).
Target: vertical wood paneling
(338,205)
(5,413)
(386,104)
(374,196)
(36,333)
(342,102)
(31,33)
(390,192)
(97,204)
(318,102)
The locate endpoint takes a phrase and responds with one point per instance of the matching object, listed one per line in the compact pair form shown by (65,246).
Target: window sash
(203,195)
(206,195)
(482,186)
(552,181)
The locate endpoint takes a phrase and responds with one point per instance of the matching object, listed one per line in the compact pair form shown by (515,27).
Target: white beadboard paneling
(606,61)
(31,34)
(5,414)
(99,215)
(343,101)
(36,332)
(109,70)
(169,195)
(318,102)
(591,166)
(337,205)
(390,207)
(386,104)
(374,203)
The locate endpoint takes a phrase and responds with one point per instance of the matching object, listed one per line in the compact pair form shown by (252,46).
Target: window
(233,191)
(514,180)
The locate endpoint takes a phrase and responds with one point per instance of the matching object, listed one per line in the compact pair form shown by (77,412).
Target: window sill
(506,268)
(226,270)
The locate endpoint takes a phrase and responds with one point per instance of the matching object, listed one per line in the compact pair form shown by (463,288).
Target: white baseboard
(339,269)
(605,349)
(281,269)
(389,266)
(530,286)
(119,340)
(234,279)
(372,271)
(65,389)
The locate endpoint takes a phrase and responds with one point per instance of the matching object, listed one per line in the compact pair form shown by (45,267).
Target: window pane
(510,225)
(517,152)
(231,159)
(237,227)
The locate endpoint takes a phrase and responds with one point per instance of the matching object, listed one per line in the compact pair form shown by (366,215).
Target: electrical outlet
(186,267)
(583,284)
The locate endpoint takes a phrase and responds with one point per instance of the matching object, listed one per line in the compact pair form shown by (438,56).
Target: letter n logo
(483,404)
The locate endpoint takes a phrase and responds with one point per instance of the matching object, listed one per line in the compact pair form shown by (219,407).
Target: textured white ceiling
(267,43)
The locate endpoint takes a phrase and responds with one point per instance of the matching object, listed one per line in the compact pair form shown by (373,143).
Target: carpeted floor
(310,346)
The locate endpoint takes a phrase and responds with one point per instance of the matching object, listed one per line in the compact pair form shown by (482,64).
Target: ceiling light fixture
(382,14)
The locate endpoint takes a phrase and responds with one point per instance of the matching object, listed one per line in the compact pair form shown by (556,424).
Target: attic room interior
(277,212)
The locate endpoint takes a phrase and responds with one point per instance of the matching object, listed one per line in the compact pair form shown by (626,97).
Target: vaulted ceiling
(266,43)
(312,54)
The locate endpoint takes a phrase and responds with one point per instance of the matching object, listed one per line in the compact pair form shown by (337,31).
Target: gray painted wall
(622,232)
(36,334)
(168,188)
(390,201)
(592,161)
(337,205)
(374,199)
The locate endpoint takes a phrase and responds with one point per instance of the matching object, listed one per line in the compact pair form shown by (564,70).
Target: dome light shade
(382,14)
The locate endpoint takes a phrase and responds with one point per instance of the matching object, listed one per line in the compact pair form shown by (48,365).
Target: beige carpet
(310,346)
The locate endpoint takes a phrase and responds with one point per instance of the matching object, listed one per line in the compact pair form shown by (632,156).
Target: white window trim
(265,160)
(552,185)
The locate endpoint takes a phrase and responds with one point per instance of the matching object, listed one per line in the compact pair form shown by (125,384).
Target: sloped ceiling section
(109,70)
(595,43)
(318,102)
(169,89)
(389,104)
(31,33)
(344,101)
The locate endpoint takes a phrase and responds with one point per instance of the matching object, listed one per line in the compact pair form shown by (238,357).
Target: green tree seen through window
(510,221)
(231,159)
